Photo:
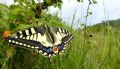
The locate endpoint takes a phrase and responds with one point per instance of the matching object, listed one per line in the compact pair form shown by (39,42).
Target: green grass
(101,51)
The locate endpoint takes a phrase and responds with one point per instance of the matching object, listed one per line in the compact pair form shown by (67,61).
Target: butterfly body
(46,40)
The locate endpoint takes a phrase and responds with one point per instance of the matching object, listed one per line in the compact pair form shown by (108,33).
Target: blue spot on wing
(61,46)
(49,50)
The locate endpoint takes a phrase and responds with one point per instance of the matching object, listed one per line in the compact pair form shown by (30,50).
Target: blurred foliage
(40,6)
(18,17)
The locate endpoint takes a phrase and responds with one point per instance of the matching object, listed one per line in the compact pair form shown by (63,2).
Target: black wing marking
(62,35)
(30,31)
(67,38)
(25,43)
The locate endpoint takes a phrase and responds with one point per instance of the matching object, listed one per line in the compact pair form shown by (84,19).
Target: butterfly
(46,40)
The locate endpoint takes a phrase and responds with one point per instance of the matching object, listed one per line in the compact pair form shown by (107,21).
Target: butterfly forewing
(62,35)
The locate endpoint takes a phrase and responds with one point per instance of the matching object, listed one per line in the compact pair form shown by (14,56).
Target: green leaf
(12,26)
(80,0)
(94,1)
(90,13)
(48,2)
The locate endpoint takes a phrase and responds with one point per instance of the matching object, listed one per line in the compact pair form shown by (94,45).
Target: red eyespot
(55,50)
(7,34)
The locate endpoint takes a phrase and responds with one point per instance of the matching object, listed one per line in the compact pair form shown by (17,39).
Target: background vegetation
(94,47)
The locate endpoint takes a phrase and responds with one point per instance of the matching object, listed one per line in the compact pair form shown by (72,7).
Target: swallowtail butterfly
(46,40)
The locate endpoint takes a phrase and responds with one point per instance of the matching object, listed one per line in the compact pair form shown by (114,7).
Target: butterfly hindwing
(25,43)
(31,44)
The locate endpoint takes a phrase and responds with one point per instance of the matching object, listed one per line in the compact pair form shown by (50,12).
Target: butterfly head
(46,26)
